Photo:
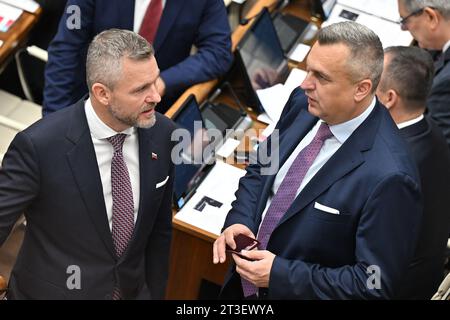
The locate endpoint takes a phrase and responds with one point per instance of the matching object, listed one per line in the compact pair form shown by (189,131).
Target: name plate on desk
(209,206)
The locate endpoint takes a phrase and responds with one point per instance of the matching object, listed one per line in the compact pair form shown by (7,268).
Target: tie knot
(324,132)
(117,141)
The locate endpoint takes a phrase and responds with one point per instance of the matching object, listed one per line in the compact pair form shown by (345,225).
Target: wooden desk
(191,252)
(16,36)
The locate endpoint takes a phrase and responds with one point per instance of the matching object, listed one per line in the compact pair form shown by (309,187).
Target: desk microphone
(244,21)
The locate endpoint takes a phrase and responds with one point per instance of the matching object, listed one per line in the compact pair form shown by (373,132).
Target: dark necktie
(122,196)
(150,23)
(285,195)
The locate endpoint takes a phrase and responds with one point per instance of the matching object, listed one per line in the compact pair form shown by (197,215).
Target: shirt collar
(344,130)
(446,46)
(405,124)
(98,128)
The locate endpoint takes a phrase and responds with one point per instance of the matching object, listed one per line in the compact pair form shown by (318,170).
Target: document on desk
(387,9)
(274,98)
(27,5)
(8,15)
(389,32)
(209,206)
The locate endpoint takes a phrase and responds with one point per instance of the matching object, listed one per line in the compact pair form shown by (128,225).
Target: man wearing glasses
(428,21)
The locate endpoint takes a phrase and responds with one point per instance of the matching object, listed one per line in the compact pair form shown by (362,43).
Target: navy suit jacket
(184,23)
(371,180)
(432,156)
(438,102)
(50,173)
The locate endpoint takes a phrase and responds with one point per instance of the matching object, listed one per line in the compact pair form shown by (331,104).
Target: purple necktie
(122,196)
(285,195)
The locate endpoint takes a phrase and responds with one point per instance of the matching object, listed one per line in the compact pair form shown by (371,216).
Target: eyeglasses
(404,20)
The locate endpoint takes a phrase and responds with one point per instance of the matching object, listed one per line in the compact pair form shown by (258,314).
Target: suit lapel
(442,61)
(290,139)
(83,162)
(169,16)
(347,158)
(148,169)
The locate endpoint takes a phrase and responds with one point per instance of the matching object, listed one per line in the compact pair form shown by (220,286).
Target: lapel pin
(154,156)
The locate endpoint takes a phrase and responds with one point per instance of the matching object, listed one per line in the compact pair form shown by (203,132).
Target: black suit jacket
(438,103)
(50,172)
(432,156)
(371,180)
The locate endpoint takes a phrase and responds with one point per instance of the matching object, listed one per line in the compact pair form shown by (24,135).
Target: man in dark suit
(429,24)
(406,80)
(339,219)
(184,23)
(95,183)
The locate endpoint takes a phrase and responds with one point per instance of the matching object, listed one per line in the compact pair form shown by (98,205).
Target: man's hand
(227,237)
(258,270)
(161,86)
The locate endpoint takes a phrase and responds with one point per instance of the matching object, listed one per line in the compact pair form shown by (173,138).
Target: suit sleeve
(67,56)
(384,244)
(213,57)
(438,107)
(19,182)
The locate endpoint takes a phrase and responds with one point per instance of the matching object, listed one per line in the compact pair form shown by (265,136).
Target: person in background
(405,83)
(173,27)
(429,23)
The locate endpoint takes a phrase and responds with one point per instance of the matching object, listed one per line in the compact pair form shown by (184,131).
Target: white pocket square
(321,207)
(160,184)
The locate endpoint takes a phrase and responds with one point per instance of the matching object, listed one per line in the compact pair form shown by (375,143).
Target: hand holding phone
(243,242)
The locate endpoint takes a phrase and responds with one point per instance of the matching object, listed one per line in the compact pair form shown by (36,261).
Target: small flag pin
(154,156)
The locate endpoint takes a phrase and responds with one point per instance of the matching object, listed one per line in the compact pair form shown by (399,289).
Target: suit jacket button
(108,297)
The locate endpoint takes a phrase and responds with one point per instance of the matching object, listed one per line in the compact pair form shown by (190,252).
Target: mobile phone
(243,242)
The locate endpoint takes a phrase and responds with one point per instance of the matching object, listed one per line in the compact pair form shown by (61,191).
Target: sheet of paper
(295,79)
(220,185)
(300,52)
(27,5)
(387,9)
(228,148)
(273,100)
(8,15)
(263,117)
(389,32)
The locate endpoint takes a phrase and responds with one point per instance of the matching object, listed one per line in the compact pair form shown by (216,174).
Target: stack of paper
(8,15)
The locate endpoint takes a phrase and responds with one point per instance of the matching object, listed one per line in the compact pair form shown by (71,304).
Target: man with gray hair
(340,218)
(429,23)
(95,183)
(404,86)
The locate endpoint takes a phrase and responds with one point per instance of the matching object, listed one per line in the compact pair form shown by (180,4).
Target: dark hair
(410,73)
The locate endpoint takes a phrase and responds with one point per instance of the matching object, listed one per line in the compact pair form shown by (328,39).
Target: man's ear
(363,89)
(391,99)
(101,93)
(433,17)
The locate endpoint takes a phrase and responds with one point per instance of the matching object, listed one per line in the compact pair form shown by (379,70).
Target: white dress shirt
(446,46)
(104,152)
(405,124)
(341,132)
(140,7)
